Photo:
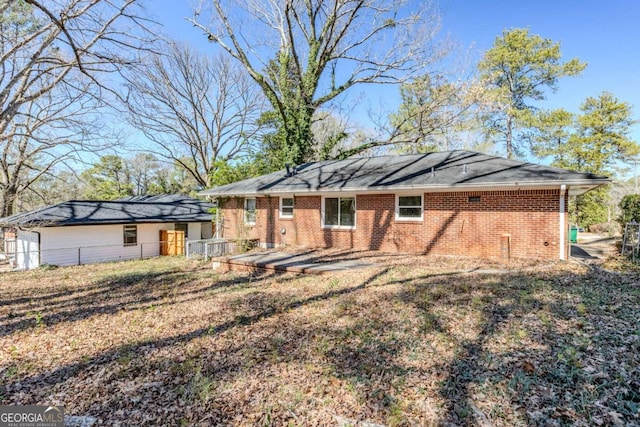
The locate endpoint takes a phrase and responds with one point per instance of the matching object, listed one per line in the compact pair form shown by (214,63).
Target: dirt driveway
(593,246)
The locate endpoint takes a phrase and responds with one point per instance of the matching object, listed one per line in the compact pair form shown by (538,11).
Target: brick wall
(524,222)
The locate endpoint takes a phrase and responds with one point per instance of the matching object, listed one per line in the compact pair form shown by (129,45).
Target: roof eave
(585,185)
(45,224)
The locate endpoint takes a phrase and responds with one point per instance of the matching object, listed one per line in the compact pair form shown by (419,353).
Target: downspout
(217,236)
(563,227)
(295,221)
(39,248)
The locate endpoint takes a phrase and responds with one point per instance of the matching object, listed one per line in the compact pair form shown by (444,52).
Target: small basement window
(250,211)
(409,208)
(130,234)
(286,207)
(474,199)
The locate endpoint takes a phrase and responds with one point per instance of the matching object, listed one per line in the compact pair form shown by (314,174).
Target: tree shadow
(443,229)
(265,311)
(550,354)
(114,294)
(364,349)
(469,360)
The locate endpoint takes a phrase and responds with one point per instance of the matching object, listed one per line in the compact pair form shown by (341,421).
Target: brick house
(448,203)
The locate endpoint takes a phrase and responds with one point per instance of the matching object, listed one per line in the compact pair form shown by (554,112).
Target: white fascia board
(575,188)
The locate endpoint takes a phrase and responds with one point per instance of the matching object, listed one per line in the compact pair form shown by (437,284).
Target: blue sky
(605,34)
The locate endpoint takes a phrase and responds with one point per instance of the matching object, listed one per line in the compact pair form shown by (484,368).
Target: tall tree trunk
(509,137)
(8,201)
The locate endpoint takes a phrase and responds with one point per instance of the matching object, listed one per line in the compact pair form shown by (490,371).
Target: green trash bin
(573,234)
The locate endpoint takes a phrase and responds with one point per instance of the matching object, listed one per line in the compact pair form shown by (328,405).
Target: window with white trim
(250,211)
(339,212)
(286,207)
(409,207)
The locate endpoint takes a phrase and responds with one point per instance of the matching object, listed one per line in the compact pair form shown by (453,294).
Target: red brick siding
(451,226)
(232,216)
(268,224)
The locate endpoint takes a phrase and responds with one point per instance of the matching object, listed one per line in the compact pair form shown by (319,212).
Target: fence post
(141,246)
(206,251)
(79,249)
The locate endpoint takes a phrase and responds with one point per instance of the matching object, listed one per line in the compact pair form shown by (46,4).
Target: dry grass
(169,342)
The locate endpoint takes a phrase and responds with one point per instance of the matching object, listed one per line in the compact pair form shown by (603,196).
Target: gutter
(39,247)
(518,185)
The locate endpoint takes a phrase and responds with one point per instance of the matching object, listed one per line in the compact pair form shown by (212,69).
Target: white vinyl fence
(209,248)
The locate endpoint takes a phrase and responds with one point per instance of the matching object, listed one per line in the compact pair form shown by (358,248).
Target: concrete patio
(300,262)
(591,248)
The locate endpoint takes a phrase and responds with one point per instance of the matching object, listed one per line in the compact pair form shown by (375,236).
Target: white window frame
(283,215)
(246,211)
(406,218)
(355,212)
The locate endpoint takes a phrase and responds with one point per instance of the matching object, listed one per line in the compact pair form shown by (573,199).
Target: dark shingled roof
(128,210)
(430,171)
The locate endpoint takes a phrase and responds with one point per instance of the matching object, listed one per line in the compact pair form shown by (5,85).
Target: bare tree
(144,171)
(433,113)
(46,133)
(196,110)
(55,59)
(305,54)
(59,186)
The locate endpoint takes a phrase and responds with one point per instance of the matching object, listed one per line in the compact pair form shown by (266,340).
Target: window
(182,226)
(250,211)
(130,234)
(340,212)
(286,207)
(409,208)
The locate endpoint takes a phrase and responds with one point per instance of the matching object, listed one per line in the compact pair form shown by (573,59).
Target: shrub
(630,209)
(609,228)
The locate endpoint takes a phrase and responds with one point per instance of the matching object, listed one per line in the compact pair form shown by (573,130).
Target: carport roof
(128,210)
(443,171)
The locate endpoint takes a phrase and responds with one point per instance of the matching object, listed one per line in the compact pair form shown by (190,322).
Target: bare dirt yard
(418,341)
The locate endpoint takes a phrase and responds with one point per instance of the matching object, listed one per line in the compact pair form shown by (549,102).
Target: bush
(630,209)
(591,208)
(609,228)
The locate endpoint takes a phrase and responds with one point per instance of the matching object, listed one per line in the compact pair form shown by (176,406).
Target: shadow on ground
(396,346)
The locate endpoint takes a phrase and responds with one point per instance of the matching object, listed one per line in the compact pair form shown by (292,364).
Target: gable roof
(450,170)
(128,210)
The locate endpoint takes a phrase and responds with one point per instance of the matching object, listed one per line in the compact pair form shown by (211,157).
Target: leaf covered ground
(420,341)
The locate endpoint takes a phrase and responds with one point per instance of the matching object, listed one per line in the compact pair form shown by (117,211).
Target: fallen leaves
(424,341)
(528,367)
